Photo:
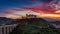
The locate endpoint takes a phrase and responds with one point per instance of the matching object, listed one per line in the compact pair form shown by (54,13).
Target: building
(31,16)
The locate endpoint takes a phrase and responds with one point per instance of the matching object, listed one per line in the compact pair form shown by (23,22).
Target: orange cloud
(41,12)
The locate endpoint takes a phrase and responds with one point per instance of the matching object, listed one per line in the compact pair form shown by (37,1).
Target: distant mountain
(55,22)
(5,20)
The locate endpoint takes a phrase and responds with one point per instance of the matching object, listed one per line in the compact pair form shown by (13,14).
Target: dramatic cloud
(16,13)
(43,8)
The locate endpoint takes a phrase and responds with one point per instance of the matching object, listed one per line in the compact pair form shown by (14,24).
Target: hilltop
(34,26)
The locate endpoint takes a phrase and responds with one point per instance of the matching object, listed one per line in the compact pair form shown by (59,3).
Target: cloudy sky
(7,6)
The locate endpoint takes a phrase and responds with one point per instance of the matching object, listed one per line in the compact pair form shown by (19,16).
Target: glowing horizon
(42,14)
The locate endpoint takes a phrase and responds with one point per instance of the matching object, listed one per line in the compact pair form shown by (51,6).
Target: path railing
(5,29)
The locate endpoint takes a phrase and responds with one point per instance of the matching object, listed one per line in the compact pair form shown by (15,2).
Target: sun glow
(17,14)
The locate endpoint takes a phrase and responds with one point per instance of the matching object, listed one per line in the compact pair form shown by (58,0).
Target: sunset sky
(9,7)
(9,4)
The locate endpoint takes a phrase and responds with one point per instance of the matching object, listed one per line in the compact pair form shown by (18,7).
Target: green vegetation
(34,26)
(58,30)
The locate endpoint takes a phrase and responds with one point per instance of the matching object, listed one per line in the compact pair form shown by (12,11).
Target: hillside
(4,20)
(33,26)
